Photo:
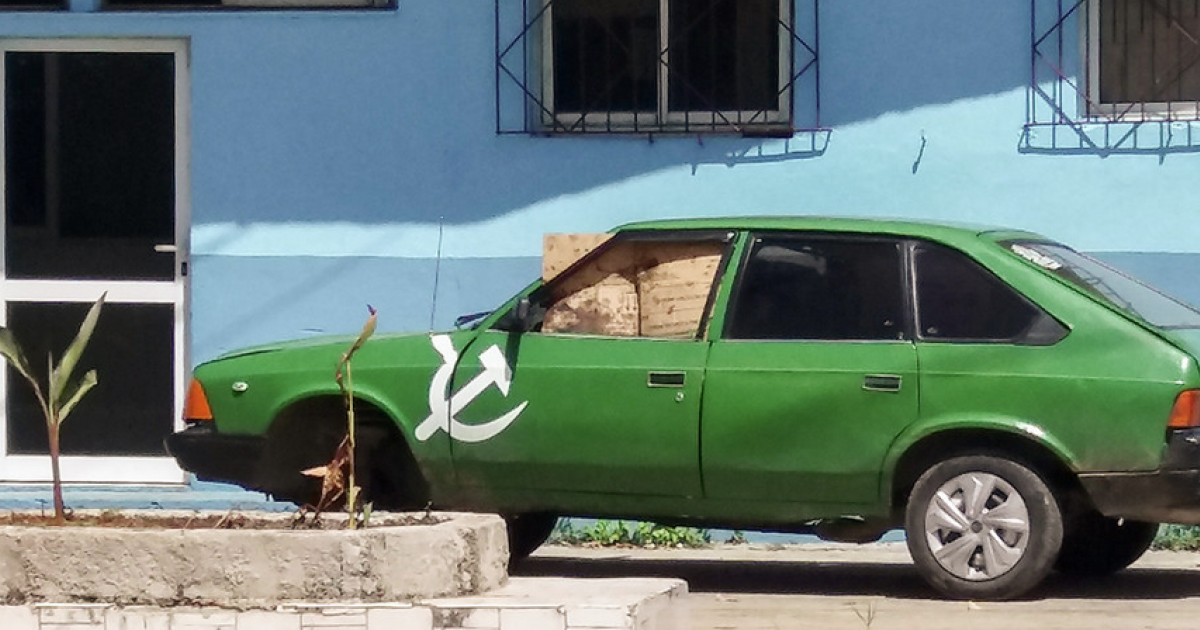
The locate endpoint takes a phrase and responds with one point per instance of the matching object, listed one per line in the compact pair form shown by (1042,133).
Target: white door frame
(108,469)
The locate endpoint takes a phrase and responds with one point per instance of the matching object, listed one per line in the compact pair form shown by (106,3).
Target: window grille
(238,5)
(1114,76)
(19,5)
(656,66)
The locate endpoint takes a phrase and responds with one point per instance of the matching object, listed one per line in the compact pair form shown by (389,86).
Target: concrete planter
(464,554)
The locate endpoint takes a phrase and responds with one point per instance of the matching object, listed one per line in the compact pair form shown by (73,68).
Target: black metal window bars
(1114,76)
(654,66)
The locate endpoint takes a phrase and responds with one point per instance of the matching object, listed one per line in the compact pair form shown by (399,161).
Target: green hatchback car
(1014,406)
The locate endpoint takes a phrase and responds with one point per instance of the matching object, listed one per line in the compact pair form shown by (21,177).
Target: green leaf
(62,372)
(75,392)
(15,356)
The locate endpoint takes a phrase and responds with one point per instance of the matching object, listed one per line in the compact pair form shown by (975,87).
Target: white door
(95,198)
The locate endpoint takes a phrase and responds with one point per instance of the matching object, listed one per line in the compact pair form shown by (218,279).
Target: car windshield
(1108,284)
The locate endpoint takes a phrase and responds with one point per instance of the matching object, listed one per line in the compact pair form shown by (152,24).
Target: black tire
(386,470)
(1095,545)
(1011,534)
(308,435)
(527,532)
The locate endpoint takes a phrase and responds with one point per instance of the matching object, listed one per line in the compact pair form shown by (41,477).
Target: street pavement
(827,586)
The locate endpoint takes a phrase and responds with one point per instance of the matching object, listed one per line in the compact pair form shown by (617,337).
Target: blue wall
(327,146)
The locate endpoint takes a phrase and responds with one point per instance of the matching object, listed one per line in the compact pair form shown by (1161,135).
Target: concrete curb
(253,568)
(523,604)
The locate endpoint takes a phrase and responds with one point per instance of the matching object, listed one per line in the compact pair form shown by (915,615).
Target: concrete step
(522,604)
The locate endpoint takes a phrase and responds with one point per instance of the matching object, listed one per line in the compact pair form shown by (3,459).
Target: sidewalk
(827,586)
(523,604)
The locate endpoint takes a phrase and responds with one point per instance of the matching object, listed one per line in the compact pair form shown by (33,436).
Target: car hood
(314,342)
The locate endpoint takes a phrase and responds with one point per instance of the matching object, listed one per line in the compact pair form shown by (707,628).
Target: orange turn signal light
(1186,412)
(196,406)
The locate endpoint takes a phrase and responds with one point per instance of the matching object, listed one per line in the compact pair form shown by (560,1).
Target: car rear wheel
(527,532)
(1095,545)
(983,527)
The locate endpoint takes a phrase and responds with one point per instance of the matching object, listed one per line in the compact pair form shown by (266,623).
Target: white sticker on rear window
(1036,257)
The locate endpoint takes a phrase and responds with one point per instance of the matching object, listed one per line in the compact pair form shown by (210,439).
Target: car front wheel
(983,527)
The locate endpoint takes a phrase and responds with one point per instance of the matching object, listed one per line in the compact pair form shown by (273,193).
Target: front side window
(819,289)
(646,65)
(634,288)
(1145,58)
(958,300)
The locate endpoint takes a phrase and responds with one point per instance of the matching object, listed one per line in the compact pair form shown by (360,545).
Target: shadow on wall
(881,57)
(394,119)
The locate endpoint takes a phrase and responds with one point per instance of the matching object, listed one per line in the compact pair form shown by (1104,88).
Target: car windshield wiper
(463,320)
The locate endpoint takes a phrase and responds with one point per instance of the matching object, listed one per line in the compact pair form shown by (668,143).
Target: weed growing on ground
(604,533)
(1178,538)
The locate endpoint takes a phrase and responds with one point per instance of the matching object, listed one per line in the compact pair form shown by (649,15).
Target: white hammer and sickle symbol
(495,372)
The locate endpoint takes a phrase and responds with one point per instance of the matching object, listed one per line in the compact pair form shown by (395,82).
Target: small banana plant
(345,380)
(62,393)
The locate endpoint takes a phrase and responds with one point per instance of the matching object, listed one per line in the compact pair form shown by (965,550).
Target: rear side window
(959,300)
(819,288)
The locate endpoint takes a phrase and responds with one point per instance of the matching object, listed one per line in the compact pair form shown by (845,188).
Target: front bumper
(1170,494)
(213,456)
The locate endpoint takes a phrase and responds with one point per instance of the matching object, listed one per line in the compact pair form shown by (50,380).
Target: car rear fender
(926,443)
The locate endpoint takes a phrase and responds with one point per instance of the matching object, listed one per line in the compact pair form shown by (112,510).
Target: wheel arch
(1024,442)
(306,430)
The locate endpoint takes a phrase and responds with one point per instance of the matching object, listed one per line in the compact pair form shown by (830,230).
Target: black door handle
(666,379)
(881,383)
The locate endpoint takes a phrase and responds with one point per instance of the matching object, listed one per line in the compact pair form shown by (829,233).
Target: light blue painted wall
(239,301)
(326,147)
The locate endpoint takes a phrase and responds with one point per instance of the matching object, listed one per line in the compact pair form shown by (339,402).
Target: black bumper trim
(1168,495)
(213,456)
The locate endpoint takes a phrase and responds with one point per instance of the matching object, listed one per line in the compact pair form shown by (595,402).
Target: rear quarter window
(960,300)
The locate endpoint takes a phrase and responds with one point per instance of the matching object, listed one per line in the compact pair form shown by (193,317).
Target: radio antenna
(437,273)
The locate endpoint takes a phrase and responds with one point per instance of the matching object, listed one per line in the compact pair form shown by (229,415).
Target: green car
(1013,405)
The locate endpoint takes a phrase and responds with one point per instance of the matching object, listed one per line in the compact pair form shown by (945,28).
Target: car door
(814,374)
(603,394)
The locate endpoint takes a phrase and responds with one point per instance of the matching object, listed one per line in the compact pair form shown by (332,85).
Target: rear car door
(814,374)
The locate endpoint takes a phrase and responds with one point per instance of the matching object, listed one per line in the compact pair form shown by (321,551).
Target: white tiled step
(522,604)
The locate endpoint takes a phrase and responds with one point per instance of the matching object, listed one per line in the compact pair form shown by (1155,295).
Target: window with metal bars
(1145,59)
(183,5)
(1114,76)
(32,4)
(647,66)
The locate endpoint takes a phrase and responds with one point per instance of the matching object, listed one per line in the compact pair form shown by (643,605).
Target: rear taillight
(1186,412)
(195,408)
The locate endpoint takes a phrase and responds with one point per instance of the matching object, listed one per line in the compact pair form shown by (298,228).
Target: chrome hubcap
(977,526)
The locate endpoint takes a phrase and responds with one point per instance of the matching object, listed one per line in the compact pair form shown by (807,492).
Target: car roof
(934,230)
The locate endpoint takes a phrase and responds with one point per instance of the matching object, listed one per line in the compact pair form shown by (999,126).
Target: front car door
(814,375)
(602,393)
